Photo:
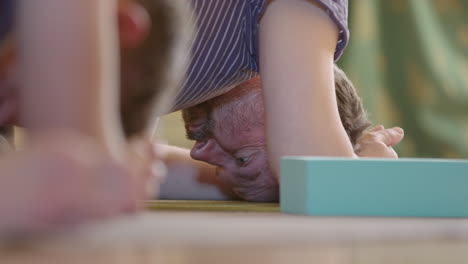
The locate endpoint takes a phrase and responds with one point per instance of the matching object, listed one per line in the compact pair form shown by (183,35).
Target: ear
(134,24)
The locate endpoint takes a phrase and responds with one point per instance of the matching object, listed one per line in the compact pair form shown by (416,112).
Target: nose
(208,151)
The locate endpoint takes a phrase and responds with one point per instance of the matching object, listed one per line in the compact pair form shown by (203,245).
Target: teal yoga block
(374,187)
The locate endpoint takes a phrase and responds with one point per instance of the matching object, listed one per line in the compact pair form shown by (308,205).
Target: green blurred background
(409,61)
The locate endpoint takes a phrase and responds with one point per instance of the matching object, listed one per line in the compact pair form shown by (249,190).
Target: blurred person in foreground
(87,154)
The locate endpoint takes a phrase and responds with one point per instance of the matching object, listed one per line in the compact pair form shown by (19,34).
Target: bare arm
(190,179)
(298,40)
(69,66)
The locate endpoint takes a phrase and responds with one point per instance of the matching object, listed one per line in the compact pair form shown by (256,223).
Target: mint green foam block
(374,187)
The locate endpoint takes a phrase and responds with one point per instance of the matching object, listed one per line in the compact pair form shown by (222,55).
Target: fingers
(147,168)
(378,142)
(390,136)
(376,128)
(393,154)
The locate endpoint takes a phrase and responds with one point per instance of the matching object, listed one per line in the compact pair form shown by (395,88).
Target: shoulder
(337,11)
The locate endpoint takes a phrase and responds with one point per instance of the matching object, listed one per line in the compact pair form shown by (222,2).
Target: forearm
(190,179)
(298,41)
(69,67)
(179,157)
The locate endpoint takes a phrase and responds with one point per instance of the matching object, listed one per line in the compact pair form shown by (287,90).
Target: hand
(377,142)
(64,179)
(146,166)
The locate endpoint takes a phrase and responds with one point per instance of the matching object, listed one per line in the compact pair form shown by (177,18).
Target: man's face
(230,134)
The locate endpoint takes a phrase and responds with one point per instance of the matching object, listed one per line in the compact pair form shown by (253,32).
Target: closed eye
(242,162)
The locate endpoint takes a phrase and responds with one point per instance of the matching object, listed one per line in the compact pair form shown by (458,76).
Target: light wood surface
(249,237)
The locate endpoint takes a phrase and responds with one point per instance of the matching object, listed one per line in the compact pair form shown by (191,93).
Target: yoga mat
(201,205)
(374,187)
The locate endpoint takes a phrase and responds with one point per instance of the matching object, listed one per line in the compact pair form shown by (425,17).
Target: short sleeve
(225,49)
(338,12)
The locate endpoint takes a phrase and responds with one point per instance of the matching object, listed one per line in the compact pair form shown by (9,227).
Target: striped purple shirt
(225,47)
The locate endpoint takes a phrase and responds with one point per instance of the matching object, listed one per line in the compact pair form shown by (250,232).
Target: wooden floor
(236,236)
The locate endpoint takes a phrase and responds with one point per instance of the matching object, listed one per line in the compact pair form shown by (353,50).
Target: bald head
(241,107)
(229,131)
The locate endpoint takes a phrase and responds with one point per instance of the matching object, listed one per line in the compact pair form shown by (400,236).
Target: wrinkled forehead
(225,113)
(235,123)
(234,118)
